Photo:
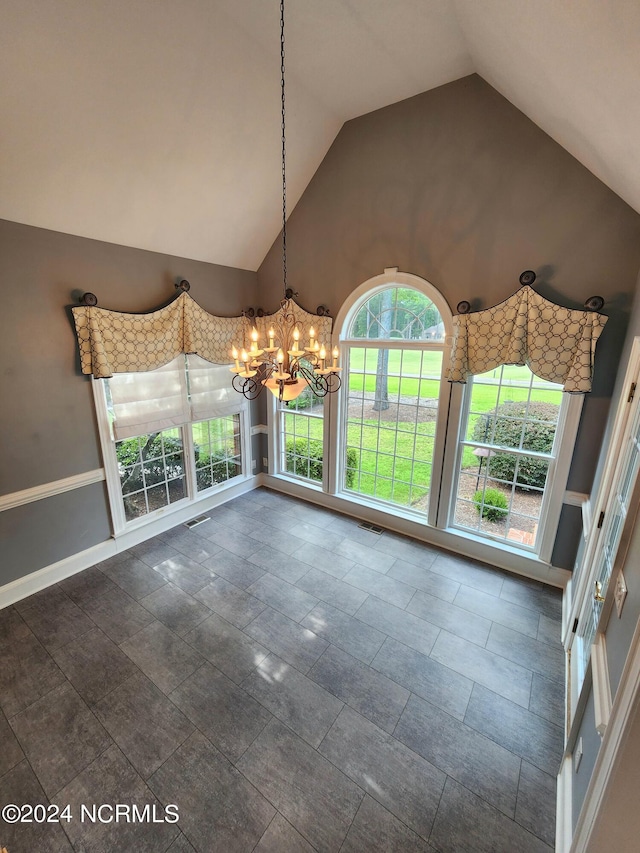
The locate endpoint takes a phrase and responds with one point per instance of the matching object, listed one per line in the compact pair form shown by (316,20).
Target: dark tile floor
(331,690)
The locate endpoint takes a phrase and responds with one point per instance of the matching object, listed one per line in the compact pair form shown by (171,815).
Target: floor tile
(365,555)
(536,806)
(181,845)
(534,595)
(283,596)
(314,796)
(54,619)
(549,630)
(119,616)
(94,664)
(372,694)
(547,699)
(483,766)
(421,578)
(226,647)
(402,781)
(229,601)
(467,824)
(219,809)
(10,751)
(110,779)
(281,837)
(425,677)
(19,786)
(175,608)
(288,639)
(532,654)
(189,544)
(332,591)
(302,704)
(376,830)
(314,534)
(281,565)
(399,624)
(163,656)
(27,671)
(520,731)
(235,569)
(350,634)
(382,586)
(60,737)
(135,577)
(468,572)
(441,613)
(152,552)
(224,712)
(324,559)
(143,722)
(232,540)
(185,572)
(86,586)
(404,548)
(493,671)
(498,610)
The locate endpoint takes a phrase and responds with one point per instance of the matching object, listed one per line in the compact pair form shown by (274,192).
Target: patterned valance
(558,344)
(114,342)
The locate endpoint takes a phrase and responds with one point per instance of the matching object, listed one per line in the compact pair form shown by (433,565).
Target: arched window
(392,337)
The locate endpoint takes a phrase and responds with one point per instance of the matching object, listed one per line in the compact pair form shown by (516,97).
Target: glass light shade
(291,390)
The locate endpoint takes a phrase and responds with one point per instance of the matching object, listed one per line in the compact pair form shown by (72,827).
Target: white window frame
(338,414)
(558,473)
(112,474)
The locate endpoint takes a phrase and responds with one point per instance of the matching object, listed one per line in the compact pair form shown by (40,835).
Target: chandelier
(287,364)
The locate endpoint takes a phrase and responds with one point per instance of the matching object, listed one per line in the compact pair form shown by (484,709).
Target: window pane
(400,313)
(151,471)
(217,451)
(501,485)
(392,406)
(302,433)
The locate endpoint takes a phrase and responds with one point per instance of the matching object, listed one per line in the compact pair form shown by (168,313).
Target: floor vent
(373,528)
(196,521)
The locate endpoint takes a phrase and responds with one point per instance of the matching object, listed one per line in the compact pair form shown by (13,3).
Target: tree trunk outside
(381,399)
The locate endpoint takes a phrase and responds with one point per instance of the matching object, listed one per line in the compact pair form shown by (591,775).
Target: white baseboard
(42,578)
(564,828)
(35,581)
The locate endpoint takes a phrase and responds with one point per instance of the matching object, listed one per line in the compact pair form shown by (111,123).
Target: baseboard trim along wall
(49,490)
(27,585)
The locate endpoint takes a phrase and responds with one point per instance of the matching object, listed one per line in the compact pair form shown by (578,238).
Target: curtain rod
(593,303)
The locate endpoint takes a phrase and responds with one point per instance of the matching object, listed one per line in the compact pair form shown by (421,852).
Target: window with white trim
(170,436)
(506,454)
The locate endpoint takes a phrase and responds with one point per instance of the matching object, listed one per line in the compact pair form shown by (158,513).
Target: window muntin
(152,472)
(402,313)
(391,425)
(302,436)
(507,454)
(217,450)
(391,388)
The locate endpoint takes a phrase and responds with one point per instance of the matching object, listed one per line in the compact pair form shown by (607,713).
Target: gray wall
(47,414)
(457,186)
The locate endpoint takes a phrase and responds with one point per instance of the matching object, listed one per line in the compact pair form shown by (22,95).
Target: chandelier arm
(247,386)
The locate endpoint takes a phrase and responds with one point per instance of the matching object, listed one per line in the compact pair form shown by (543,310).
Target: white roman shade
(149,401)
(210,392)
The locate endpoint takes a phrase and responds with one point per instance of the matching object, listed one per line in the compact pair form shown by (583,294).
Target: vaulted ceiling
(156,123)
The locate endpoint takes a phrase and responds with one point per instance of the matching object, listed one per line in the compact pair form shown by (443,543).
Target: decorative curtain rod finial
(183,285)
(89,299)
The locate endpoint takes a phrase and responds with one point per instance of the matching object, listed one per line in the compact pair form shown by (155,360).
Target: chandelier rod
(284,162)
